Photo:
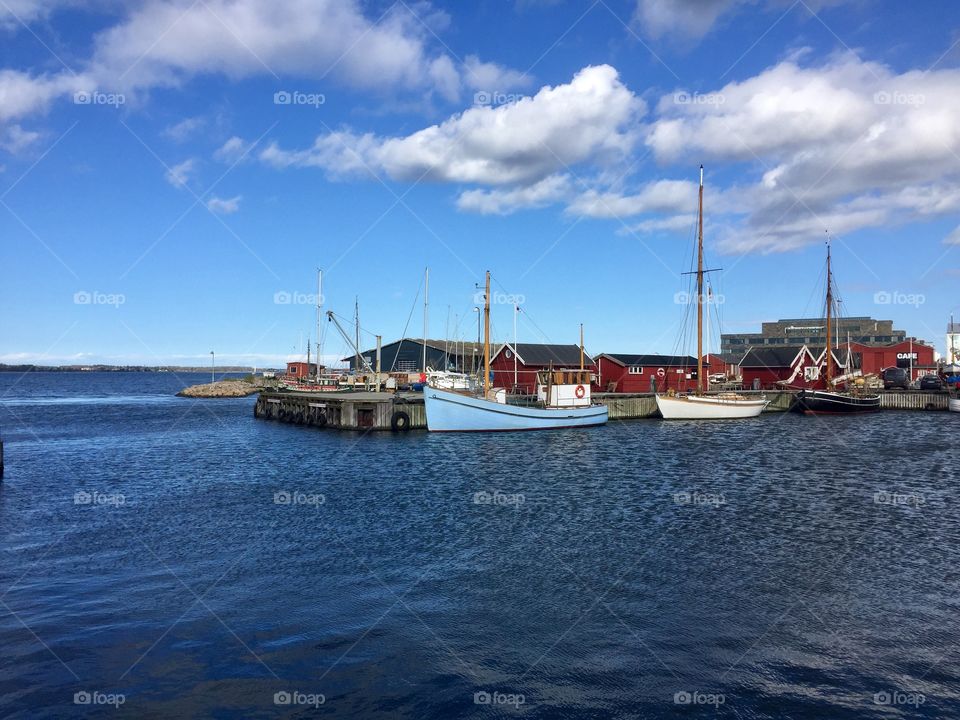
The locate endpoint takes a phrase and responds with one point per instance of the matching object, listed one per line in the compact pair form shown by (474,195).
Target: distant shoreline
(133,368)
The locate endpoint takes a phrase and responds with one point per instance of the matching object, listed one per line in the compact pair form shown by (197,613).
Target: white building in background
(953,342)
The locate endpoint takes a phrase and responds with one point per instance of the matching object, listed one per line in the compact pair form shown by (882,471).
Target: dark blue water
(785,567)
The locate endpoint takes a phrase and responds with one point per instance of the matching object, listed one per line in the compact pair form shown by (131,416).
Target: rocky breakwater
(221,389)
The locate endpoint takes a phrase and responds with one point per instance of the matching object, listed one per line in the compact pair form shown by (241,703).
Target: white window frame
(634,370)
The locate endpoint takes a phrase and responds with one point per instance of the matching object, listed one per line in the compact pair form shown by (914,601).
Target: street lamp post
(212,365)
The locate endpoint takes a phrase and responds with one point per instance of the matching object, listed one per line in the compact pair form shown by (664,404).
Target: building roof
(630,359)
(453,347)
(543,354)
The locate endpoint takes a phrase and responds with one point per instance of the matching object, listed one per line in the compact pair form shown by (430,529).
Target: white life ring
(580,392)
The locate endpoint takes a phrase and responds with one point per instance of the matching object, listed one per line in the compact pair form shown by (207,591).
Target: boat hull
(455,412)
(819,402)
(708,408)
(954,405)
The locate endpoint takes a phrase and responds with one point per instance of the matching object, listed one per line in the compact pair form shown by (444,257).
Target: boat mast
(581,346)
(700,286)
(486,338)
(516,311)
(829,307)
(319,313)
(356,320)
(426,304)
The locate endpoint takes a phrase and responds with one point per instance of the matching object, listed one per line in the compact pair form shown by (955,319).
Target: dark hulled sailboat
(831,402)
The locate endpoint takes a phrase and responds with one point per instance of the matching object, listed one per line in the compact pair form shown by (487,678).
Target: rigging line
(403,335)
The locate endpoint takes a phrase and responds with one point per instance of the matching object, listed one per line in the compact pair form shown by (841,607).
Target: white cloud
(662,196)
(224,206)
(164,42)
(232,150)
(179,174)
(505,201)
(14,138)
(591,119)
(954,237)
(690,20)
(23,94)
(491,77)
(181,131)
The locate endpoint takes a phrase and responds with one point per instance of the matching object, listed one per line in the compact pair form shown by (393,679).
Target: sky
(173,174)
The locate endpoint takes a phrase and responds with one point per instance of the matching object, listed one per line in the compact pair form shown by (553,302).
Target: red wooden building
(528,359)
(297,370)
(875,359)
(630,373)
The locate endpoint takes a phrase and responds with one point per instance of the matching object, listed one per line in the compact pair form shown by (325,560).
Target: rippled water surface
(782,567)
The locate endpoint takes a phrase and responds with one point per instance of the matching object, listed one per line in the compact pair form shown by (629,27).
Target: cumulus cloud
(954,237)
(492,77)
(842,146)
(179,175)
(181,131)
(14,139)
(593,118)
(661,196)
(505,201)
(224,206)
(690,20)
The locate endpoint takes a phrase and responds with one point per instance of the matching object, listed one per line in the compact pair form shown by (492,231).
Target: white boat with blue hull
(562,399)
(451,411)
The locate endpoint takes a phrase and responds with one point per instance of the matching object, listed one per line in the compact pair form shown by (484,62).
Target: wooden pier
(403,411)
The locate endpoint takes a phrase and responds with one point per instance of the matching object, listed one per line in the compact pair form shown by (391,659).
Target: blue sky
(157,195)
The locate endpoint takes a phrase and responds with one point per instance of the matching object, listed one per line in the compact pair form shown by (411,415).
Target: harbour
(398,412)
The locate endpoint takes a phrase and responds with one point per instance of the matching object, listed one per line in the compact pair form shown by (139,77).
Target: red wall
(625,382)
(877,359)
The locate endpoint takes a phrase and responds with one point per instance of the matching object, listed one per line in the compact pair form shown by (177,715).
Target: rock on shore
(220,389)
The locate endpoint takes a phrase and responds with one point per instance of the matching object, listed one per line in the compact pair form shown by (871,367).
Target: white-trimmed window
(635,370)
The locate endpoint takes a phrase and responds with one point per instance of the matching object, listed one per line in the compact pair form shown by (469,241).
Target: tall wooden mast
(829,308)
(700,287)
(486,338)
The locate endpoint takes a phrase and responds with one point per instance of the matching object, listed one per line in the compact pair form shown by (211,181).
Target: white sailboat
(699,406)
(563,400)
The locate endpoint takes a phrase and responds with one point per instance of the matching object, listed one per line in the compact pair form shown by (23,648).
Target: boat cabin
(564,388)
